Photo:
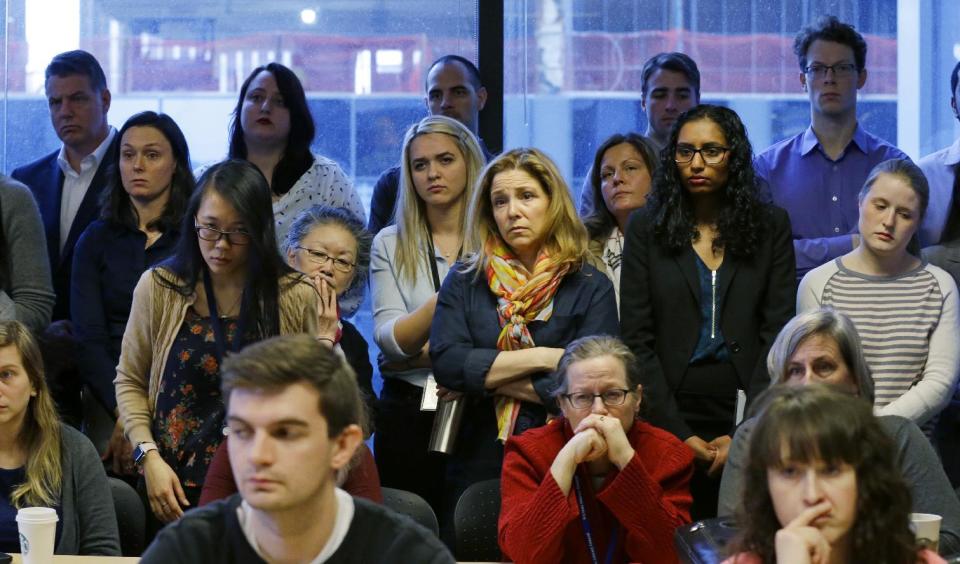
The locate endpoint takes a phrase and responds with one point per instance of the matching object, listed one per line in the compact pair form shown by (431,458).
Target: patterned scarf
(522,297)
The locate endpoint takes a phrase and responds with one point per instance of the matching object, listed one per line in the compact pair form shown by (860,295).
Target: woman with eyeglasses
(225,285)
(332,248)
(598,484)
(139,227)
(708,280)
(440,163)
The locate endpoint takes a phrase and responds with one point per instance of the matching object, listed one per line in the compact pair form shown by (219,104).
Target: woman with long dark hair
(708,280)
(272,127)
(620,180)
(822,485)
(143,205)
(226,285)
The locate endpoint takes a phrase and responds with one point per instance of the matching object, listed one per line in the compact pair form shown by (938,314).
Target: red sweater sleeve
(534,513)
(219,482)
(651,497)
(363,479)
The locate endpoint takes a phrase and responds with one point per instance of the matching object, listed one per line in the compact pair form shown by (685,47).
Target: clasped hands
(597,437)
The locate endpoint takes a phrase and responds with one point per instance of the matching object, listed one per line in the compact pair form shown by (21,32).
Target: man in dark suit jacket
(68,182)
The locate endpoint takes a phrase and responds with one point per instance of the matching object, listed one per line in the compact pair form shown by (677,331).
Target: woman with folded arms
(440,163)
(45,463)
(525,292)
(708,280)
(225,285)
(597,482)
(822,485)
(905,310)
(139,226)
(620,179)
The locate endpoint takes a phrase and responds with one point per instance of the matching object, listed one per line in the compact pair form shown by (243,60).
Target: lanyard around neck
(219,332)
(588,533)
(432,260)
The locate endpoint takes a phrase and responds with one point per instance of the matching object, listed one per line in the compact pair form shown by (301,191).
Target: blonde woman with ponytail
(44,463)
(440,164)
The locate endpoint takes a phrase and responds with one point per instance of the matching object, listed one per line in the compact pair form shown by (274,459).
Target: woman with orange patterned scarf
(502,320)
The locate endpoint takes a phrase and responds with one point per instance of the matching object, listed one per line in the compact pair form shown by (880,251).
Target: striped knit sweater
(909,328)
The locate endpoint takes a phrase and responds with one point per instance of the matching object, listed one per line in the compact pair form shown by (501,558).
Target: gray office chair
(413,506)
(131,517)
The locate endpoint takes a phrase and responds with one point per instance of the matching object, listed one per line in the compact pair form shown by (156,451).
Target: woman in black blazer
(708,280)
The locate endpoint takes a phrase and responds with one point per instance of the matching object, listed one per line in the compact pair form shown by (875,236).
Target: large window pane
(574,68)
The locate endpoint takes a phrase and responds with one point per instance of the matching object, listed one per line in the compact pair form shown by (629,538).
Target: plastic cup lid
(37,515)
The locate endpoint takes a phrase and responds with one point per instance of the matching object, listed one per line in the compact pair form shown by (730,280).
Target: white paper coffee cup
(926,526)
(38,530)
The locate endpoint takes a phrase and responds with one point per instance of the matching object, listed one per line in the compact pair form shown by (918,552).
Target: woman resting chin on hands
(597,484)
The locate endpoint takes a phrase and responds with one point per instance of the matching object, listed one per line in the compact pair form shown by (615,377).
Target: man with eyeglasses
(817,174)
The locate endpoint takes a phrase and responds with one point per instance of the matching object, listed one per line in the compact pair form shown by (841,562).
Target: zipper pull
(713,304)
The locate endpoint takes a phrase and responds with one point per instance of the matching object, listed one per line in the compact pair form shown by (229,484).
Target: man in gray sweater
(293,411)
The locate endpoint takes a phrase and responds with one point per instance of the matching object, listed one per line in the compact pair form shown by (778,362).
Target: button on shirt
(820,194)
(939,169)
(75,184)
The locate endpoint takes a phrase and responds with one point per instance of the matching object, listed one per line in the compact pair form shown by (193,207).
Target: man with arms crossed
(293,409)
(816,175)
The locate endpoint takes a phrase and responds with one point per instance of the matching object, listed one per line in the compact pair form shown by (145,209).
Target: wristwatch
(141,451)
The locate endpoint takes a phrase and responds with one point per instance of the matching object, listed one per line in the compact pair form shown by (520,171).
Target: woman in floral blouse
(226,285)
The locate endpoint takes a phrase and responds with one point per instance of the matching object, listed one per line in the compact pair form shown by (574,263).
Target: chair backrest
(704,542)
(131,517)
(475,522)
(413,506)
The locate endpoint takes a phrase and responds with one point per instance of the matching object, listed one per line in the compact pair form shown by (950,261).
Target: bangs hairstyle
(276,363)
(320,215)
(906,171)
(829,28)
(410,214)
(827,323)
(813,424)
(742,218)
(244,188)
(115,204)
(566,236)
(40,435)
(596,346)
(601,222)
(297,158)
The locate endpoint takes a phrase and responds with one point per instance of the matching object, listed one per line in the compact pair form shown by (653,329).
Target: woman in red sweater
(598,484)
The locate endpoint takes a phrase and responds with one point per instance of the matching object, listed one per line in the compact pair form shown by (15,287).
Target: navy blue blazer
(463,346)
(45,179)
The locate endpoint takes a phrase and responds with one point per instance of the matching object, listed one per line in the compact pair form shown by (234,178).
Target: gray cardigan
(921,469)
(89,519)
(26,290)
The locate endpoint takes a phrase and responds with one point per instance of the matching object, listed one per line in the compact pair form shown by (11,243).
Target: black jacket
(660,311)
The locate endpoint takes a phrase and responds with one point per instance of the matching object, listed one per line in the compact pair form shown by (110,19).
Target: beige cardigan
(155,318)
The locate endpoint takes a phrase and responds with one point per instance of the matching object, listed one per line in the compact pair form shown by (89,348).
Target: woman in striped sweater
(904,309)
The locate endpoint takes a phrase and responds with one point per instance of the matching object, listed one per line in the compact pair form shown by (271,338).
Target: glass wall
(575,77)
(362,63)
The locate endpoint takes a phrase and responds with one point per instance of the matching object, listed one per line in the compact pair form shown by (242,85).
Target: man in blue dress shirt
(817,174)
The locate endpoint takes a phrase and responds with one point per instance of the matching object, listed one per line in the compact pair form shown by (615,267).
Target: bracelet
(326,339)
